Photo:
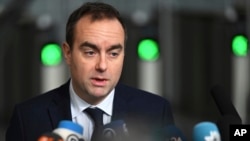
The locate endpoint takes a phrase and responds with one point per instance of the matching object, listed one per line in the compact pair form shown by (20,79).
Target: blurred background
(178,49)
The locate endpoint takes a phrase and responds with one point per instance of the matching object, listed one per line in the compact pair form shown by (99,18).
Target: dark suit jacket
(143,112)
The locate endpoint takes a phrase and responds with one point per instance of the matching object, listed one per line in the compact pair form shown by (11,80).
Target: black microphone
(229,113)
(223,102)
(115,131)
(170,133)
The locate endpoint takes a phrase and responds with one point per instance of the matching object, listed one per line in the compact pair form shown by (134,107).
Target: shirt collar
(78,104)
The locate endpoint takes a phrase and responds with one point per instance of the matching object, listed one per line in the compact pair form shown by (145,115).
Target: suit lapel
(120,106)
(60,106)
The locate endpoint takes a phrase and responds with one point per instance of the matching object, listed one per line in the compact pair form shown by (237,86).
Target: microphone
(69,131)
(66,131)
(224,102)
(50,137)
(170,133)
(206,131)
(115,131)
(229,113)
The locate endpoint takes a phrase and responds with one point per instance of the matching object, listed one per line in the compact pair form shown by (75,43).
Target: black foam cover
(229,114)
(223,102)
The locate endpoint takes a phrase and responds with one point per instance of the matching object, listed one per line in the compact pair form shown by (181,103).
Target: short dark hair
(97,11)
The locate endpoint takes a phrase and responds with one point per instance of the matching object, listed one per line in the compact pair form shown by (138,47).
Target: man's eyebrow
(88,44)
(118,46)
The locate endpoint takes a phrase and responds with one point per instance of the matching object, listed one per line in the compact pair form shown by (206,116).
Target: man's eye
(90,53)
(114,54)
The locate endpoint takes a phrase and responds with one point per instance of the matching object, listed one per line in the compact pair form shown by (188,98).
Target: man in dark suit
(94,52)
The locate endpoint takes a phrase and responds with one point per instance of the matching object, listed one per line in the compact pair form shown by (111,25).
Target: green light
(148,50)
(240,45)
(51,54)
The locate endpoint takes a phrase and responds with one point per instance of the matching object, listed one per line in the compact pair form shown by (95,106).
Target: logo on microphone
(109,133)
(214,136)
(175,139)
(115,131)
(73,137)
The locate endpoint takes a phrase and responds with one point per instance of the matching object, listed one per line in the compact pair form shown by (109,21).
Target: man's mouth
(99,81)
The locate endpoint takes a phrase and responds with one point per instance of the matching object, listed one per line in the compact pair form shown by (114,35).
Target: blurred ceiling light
(44,22)
(140,17)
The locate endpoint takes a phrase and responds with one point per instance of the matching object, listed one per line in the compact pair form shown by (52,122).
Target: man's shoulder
(136,93)
(45,98)
(146,104)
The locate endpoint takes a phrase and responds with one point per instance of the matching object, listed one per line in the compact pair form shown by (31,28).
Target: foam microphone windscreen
(50,137)
(69,131)
(115,131)
(206,131)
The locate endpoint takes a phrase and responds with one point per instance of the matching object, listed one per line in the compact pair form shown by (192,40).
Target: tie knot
(96,114)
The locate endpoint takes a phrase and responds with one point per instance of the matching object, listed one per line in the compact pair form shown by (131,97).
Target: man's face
(96,58)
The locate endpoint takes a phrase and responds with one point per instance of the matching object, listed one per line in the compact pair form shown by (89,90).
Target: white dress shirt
(78,105)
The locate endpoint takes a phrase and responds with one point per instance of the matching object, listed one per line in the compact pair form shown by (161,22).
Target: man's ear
(66,52)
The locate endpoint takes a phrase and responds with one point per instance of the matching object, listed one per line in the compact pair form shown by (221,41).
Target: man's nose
(101,64)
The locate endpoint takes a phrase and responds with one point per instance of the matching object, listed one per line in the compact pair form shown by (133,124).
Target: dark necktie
(97,115)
